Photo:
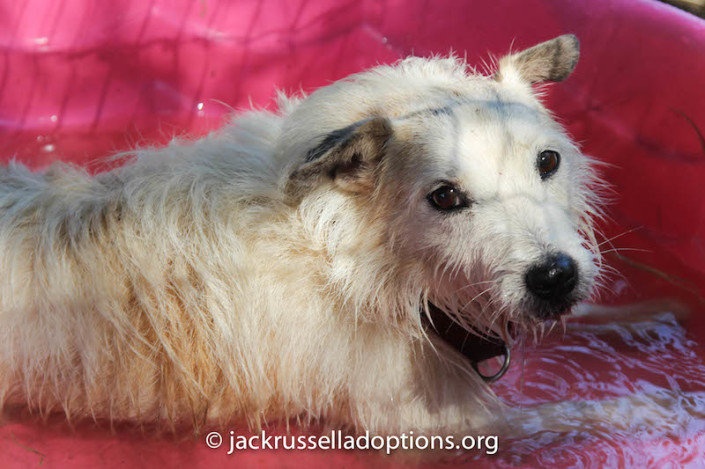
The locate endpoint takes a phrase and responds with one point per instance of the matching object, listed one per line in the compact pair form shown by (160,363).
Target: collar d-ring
(505,366)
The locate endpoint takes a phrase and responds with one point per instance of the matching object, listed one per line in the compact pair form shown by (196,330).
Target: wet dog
(349,258)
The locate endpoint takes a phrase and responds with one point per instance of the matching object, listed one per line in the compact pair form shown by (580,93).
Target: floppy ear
(552,60)
(348,156)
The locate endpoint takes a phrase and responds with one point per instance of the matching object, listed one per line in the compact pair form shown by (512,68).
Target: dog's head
(465,180)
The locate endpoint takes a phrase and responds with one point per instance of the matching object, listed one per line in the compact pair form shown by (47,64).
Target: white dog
(298,264)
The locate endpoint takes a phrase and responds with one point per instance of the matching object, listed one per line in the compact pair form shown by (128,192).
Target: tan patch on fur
(350,163)
(552,60)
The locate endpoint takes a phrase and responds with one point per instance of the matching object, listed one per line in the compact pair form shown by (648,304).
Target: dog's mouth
(480,345)
(477,346)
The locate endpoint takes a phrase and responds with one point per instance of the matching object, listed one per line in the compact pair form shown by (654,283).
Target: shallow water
(656,360)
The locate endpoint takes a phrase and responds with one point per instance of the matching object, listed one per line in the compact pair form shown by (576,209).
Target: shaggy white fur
(282,267)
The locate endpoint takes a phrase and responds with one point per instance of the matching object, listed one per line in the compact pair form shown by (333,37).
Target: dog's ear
(552,60)
(347,156)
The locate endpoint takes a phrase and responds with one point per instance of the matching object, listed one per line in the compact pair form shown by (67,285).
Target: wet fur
(278,268)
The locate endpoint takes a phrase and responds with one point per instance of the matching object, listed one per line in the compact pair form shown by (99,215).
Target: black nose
(553,279)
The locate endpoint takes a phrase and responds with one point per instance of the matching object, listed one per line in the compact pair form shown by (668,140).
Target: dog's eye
(447,198)
(547,163)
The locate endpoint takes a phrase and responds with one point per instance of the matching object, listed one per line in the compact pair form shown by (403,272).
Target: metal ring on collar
(502,370)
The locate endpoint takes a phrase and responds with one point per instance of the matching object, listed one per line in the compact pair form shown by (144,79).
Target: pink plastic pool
(80,80)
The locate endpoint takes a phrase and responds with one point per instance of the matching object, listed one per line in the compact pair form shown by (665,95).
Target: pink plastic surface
(81,79)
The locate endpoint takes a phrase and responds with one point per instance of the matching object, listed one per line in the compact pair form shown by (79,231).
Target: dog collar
(476,346)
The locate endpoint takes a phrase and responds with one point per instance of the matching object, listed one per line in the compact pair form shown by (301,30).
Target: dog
(348,258)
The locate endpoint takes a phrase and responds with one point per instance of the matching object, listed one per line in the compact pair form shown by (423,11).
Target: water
(656,360)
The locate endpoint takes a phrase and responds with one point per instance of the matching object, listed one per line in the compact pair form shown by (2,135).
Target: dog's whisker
(626,250)
(624,233)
